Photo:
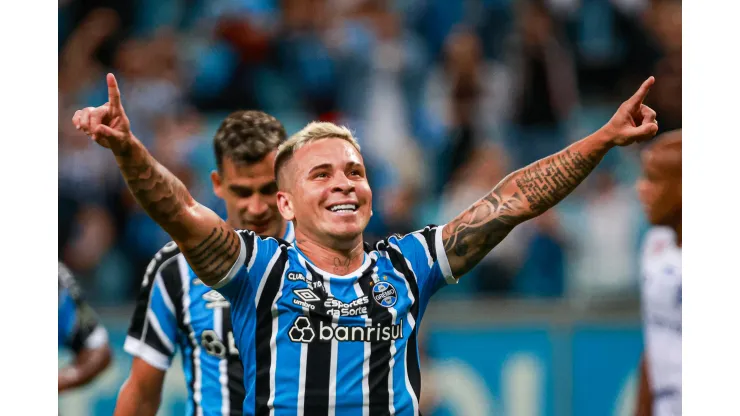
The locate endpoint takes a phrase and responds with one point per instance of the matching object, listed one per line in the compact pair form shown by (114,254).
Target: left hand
(634,122)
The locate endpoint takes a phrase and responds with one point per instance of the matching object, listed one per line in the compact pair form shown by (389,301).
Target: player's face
(330,194)
(659,189)
(249,193)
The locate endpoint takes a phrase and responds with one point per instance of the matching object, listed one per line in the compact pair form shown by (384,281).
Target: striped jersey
(79,327)
(662,323)
(315,343)
(175,310)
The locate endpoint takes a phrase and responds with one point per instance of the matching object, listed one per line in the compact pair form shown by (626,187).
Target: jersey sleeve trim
(96,339)
(152,357)
(235,267)
(444,264)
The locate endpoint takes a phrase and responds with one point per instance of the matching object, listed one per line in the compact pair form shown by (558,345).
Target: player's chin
(345,230)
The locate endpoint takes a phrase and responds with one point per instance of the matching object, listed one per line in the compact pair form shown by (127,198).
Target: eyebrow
(239,188)
(319,167)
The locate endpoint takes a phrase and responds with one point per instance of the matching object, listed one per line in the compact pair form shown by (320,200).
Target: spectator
(467,98)
(544,83)
(606,240)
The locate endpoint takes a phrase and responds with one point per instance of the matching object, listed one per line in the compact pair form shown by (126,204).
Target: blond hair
(314,131)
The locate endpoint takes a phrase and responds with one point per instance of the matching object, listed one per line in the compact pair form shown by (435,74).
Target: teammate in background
(176,311)
(81,332)
(328,325)
(659,190)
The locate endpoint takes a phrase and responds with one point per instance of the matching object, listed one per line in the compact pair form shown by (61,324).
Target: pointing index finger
(114,94)
(637,99)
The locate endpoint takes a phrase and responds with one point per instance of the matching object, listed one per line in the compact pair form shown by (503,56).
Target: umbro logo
(215,300)
(306,295)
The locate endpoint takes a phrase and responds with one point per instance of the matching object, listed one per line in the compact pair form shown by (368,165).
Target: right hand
(634,122)
(107,125)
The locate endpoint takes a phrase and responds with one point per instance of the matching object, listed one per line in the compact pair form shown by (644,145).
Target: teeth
(343,207)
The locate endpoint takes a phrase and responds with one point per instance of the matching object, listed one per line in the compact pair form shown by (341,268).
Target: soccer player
(328,325)
(659,190)
(81,332)
(175,310)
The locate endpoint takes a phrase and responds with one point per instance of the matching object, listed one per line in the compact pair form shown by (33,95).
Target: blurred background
(446,97)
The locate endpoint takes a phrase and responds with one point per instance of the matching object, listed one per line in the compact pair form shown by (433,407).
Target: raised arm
(208,243)
(534,189)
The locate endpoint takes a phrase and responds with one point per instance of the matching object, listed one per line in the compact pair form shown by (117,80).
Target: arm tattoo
(212,258)
(522,195)
(155,188)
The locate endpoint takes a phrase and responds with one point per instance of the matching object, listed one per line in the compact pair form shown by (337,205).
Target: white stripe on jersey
(268,269)
(366,361)
(442,260)
(275,327)
(165,296)
(254,253)
(423,243)
(411,321)
(151,318)
(223,373)
(197,375)
(392,361)
(334,355)
(304,353)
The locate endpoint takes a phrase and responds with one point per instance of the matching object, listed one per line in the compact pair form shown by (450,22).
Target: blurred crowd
(446,97)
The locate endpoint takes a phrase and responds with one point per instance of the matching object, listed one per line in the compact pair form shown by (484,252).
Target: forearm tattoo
(522,195)
(212,258)
(155,188)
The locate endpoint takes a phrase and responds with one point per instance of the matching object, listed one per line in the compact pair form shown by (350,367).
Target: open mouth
(343,208)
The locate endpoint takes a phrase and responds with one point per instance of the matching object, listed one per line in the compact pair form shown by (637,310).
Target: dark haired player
(175,310)
(659,190)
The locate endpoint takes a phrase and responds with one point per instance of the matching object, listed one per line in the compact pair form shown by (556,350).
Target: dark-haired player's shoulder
(158,300)
(165,265)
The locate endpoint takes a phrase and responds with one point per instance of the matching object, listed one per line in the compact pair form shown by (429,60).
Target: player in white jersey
(659,190)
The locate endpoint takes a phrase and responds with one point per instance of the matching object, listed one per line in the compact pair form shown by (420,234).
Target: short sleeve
(79,326)
(256,255)
(152,333)
(424,251)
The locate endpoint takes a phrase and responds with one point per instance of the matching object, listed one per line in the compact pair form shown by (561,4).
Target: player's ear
(285,205)
(216,181)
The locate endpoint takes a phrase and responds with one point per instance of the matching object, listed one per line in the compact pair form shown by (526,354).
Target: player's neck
(340,261)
